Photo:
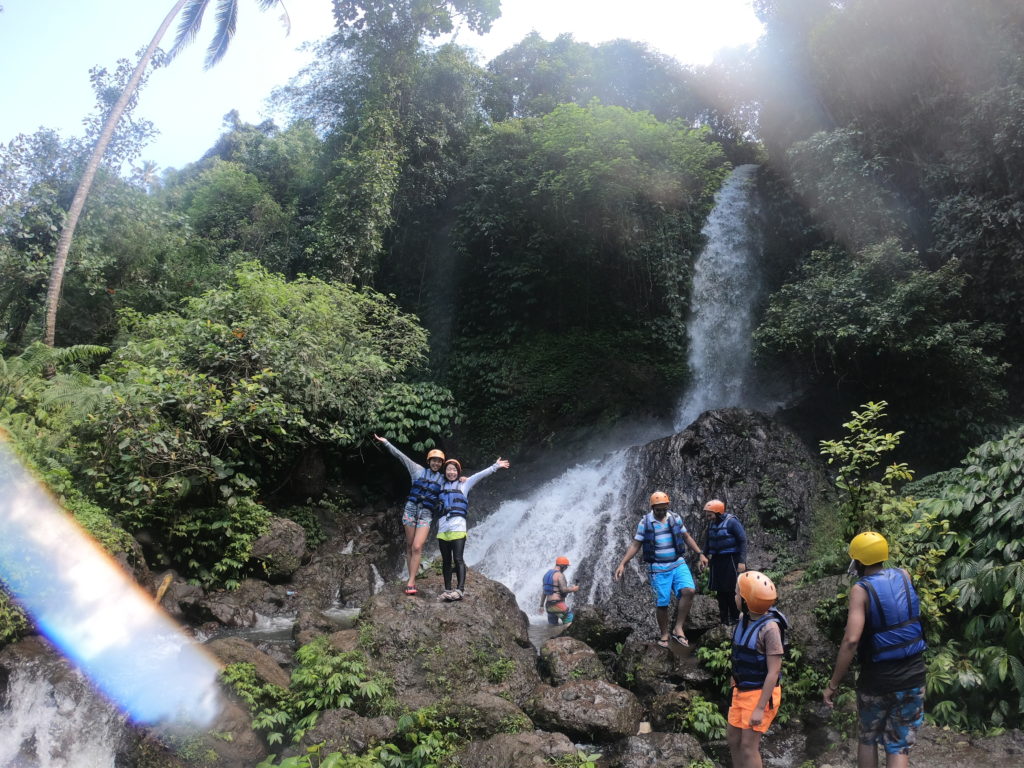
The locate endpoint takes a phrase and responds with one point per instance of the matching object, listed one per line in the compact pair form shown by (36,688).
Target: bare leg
(897,761)
(662,616)
(683,610)
(410,534)
(867,756)
(416,552)
(733,737)
(750,749)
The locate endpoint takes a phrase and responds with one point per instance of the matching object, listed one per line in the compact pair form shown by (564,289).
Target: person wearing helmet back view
(555,590)
(423,502)
(883,630)
(758,644)
(664,541)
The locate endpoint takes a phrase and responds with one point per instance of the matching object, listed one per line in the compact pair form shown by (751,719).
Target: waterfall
(726,284)
(56,724)
(575,515)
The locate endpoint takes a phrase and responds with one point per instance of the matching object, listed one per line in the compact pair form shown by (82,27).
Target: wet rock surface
(565,658)
(522,750)
(589,710)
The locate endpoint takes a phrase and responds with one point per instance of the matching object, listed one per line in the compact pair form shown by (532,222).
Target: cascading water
(576,514)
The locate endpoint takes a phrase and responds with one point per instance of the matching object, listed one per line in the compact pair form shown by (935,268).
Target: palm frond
(191,21)
(286,19)
(227,17)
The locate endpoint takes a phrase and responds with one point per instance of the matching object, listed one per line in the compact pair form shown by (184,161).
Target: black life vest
(426,489)
(550,587)
(893,619)
(453,500)
(675,524)
(721,539)
(750,668)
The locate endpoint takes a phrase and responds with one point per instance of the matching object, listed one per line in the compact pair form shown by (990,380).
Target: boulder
(243,607)
(342,730)
(235,650)
(482,715)
(433,649)
(565,658)
(656,750)
(280,549)
(521,750)
(594,627)
(589,710)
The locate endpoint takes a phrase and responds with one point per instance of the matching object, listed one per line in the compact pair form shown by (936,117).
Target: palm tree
(191,20)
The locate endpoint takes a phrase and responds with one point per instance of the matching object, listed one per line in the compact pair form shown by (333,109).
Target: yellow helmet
(869,548)
(435,454)
(758,590)
(659,497)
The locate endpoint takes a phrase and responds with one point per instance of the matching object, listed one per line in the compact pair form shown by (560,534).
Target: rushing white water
(726,284)
(575,514)
(62,726)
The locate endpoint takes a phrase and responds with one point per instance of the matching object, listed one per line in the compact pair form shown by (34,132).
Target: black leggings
(452,551)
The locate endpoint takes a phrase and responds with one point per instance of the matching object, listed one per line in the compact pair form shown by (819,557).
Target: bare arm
(691,543)
(855,618)
(634,547)
(770,681)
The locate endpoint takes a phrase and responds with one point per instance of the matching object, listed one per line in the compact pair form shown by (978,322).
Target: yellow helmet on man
(869,548)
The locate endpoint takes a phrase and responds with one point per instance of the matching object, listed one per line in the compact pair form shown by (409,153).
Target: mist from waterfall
(576,514)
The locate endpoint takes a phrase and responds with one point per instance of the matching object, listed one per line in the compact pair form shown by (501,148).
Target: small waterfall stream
(575,514)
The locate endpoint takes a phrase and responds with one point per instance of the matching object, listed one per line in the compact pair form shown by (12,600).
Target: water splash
(89,608)
(726,285)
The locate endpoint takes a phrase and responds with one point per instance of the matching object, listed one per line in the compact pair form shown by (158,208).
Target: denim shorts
(668,584)
(891,719)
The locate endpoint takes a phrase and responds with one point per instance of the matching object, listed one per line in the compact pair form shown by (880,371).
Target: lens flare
(93,612)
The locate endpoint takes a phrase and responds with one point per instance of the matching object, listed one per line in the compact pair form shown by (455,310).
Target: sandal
(662,643)
(456,594)
(410,590)
(681,639)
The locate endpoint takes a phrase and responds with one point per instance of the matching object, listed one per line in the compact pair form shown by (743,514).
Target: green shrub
(701,718)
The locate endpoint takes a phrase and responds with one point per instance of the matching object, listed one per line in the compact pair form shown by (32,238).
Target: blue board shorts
(891,719)
(668,584)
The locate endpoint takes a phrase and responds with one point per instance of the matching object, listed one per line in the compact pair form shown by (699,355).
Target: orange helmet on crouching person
(660,497)
(757,590)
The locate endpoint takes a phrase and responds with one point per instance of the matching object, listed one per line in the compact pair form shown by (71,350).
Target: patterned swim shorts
(891,719)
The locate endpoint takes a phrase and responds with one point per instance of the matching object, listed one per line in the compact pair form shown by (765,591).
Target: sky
(48,46)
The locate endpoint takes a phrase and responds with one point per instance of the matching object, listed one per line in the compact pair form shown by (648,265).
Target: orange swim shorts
(743,703)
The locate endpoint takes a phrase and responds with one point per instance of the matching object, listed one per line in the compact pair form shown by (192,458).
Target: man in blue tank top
(664,541)
(883,630)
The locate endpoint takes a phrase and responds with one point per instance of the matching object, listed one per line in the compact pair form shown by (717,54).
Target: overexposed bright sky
(48,46)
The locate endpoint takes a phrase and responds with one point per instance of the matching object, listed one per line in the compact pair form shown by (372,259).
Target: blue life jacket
(550,587)
(721,539)
(426,489)
(750,668)
(675,523)
(453,500)
(894,617)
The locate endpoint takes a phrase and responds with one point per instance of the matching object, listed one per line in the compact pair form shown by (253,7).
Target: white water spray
(576,514)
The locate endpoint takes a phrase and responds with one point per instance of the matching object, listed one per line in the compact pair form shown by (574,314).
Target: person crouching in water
(555,590)
(758,644)
(451,525)
(420,507)
(664,540)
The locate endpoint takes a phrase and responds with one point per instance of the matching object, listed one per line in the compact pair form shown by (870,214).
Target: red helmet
(561,561)
(716,506)
(660,497)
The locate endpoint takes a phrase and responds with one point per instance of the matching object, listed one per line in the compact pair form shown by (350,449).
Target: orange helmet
(435,454)
(659,497)
(561,561)
(716,506)
(458,466)
(758,590)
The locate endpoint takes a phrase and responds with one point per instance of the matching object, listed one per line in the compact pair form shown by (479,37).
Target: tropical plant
(227,11)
